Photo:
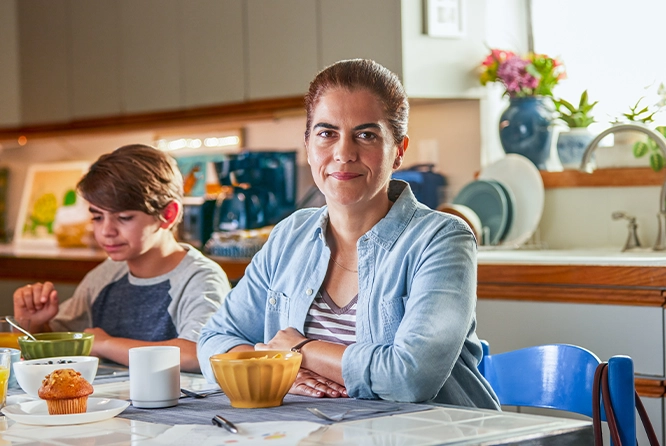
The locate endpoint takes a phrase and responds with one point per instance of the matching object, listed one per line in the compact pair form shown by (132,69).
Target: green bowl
(49,345)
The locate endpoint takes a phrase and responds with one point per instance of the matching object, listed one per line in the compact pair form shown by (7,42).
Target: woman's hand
(308,383)
(37,303)
(283,340)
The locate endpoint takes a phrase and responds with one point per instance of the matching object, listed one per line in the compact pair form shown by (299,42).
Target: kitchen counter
(591,256)
(70,265)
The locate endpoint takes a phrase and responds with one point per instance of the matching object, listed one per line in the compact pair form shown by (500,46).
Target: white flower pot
(621,154)
(571,145)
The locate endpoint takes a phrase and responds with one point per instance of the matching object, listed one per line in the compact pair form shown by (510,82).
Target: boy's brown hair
(135,177)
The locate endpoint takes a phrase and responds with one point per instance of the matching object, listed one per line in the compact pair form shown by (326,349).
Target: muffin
(65,392)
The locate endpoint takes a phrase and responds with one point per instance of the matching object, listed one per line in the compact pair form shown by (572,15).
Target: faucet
(585,166)
(632,239)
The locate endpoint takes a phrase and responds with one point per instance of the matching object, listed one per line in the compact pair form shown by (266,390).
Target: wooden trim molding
(616,177)
(579,295)
(73,270)
(606,285)
(651,388)
(645,277)
(148,121)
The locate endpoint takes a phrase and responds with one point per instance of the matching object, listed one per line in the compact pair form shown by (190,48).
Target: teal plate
(491,203)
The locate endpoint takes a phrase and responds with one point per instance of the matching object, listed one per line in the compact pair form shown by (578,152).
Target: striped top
(328,322)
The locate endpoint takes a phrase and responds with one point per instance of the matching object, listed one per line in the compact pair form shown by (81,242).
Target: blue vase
(526,128)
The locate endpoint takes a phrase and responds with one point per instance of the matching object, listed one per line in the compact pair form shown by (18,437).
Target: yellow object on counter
(250,383)
(4,381)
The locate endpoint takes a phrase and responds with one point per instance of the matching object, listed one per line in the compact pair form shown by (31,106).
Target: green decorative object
(575,116)
(642,148)
(49,345)
(70,198)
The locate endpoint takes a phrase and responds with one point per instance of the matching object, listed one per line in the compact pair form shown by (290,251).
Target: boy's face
(125,235)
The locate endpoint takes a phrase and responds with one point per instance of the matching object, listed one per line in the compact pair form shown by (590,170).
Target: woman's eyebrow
(368,125)
(326,125)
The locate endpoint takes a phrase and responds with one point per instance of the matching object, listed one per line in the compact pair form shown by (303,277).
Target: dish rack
(240,244)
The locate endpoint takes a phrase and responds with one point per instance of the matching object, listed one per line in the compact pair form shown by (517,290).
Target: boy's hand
(37,303)
(99,344)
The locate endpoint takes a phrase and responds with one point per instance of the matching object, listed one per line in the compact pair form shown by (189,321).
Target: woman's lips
(345,175)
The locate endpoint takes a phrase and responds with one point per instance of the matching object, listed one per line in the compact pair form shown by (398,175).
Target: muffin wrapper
(67,405)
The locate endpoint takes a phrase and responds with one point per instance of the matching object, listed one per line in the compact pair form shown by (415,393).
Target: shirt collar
(388,229)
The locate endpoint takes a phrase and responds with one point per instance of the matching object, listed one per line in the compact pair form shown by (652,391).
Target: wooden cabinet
(282,47)
(95,58)
(150,56)
(87,59)
(368,29)
(44,67)
(212,52)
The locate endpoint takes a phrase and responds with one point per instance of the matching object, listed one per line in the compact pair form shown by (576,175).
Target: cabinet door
(607,330)
(367,29)
(213,64)
(9,61)
(150,58)
(95,52)
(282,47)
(43,28)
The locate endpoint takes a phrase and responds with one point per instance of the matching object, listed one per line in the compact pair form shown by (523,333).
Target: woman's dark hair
(362,74)
(133,178)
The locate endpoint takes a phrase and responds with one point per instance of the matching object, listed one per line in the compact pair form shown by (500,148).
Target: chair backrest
(561,376)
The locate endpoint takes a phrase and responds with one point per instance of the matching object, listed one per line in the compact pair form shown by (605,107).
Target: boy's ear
(170,214)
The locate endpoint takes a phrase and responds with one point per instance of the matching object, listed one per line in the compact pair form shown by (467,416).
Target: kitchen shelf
(615,177)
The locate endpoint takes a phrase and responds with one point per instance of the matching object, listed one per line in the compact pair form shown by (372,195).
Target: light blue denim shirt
(415,319)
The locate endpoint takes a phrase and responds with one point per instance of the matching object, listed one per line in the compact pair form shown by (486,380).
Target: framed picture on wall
(444,18)
(47,189)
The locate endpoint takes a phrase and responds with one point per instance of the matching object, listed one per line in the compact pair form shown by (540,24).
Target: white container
(154,376)
(31,373)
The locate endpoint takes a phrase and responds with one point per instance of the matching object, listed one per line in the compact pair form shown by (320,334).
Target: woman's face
(351,150)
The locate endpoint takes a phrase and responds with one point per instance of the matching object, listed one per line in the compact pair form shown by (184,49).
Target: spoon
(16,325)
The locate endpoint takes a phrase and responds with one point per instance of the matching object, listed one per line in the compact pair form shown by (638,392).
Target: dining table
(112,420)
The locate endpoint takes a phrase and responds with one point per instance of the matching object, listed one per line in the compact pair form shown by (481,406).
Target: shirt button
(272,301)
(308,291)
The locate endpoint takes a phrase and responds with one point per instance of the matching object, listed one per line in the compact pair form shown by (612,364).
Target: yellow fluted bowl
(256,378)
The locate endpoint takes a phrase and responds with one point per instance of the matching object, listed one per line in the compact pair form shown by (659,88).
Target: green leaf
(657,161)
(70,198)
(640,149)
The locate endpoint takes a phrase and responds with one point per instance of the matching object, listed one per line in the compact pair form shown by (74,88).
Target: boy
(151,290)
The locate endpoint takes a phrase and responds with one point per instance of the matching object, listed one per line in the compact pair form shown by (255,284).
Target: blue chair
(561,376)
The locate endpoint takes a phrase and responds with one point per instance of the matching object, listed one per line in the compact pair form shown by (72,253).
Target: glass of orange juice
(5,364)
(8,334)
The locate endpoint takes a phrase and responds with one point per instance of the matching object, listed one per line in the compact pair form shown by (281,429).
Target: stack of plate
(492,202)
(508,198)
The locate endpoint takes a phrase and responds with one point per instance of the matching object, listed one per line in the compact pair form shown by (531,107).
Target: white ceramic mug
(154,376)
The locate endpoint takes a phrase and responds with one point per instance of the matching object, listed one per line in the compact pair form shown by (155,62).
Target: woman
(376,290)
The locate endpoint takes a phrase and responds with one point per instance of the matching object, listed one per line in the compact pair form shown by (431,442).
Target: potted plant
(525,127)
(573,141)
(629,147)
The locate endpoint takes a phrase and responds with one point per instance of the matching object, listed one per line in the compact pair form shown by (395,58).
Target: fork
(341,416)
(199,395)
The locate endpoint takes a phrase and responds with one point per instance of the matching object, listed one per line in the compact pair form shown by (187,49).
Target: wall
(445,133)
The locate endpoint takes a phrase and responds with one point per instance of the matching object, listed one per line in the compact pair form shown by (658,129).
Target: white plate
(523,178)
(36,413)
